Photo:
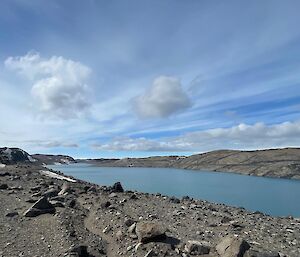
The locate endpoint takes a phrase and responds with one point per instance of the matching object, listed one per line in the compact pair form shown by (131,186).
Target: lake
(277,197)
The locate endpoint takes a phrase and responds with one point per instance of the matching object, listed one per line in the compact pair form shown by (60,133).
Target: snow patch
(2,165)
(65,161)
(31,159)
(57,176)
(8,152)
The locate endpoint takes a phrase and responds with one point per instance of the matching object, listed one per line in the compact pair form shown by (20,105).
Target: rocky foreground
(44,213)
(279,163)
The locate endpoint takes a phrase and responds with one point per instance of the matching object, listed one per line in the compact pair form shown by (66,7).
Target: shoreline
(87,212)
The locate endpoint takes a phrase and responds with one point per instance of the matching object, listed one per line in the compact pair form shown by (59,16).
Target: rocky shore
(45,213)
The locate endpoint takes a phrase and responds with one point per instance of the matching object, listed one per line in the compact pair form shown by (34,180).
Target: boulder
(71,203)
(197,248)
(232,247)
(150,231)
(105,204)
(173,199)
(117,188)
(42,206)
(79,251)
(119,235)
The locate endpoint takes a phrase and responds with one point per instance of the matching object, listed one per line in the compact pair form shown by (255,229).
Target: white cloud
(58,84)
(133,144)
(242,136)
(51,144)
(164,98)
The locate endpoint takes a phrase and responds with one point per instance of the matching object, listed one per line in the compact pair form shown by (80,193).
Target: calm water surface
(278,197)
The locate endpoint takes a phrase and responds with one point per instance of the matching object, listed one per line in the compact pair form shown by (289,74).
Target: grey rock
(117,187)
(12,214)
(174,200)
(80,251)
(132,228)
(197,248)
(105,204)
(112,195)
(232,247)
(71,203)
(42,206)
(150,231)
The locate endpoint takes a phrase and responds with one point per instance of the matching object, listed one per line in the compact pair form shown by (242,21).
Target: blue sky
(139,78)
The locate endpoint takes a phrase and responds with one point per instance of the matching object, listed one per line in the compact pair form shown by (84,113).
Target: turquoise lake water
(277,197)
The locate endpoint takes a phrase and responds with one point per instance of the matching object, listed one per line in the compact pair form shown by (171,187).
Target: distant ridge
(280,163)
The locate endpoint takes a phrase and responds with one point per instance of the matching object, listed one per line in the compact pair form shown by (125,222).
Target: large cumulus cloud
(58,85)
(164,98)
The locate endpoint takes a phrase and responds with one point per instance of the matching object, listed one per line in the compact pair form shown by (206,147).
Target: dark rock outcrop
(14,155)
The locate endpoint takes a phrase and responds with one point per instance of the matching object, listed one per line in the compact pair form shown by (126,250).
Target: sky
(138,78)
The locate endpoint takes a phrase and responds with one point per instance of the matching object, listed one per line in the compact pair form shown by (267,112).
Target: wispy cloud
(238,63)
(242,136)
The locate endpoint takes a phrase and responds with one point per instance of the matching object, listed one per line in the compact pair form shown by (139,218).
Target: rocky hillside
(14,155)
(53,159)
(281,163)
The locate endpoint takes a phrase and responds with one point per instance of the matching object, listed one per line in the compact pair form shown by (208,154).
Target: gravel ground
(91,220)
